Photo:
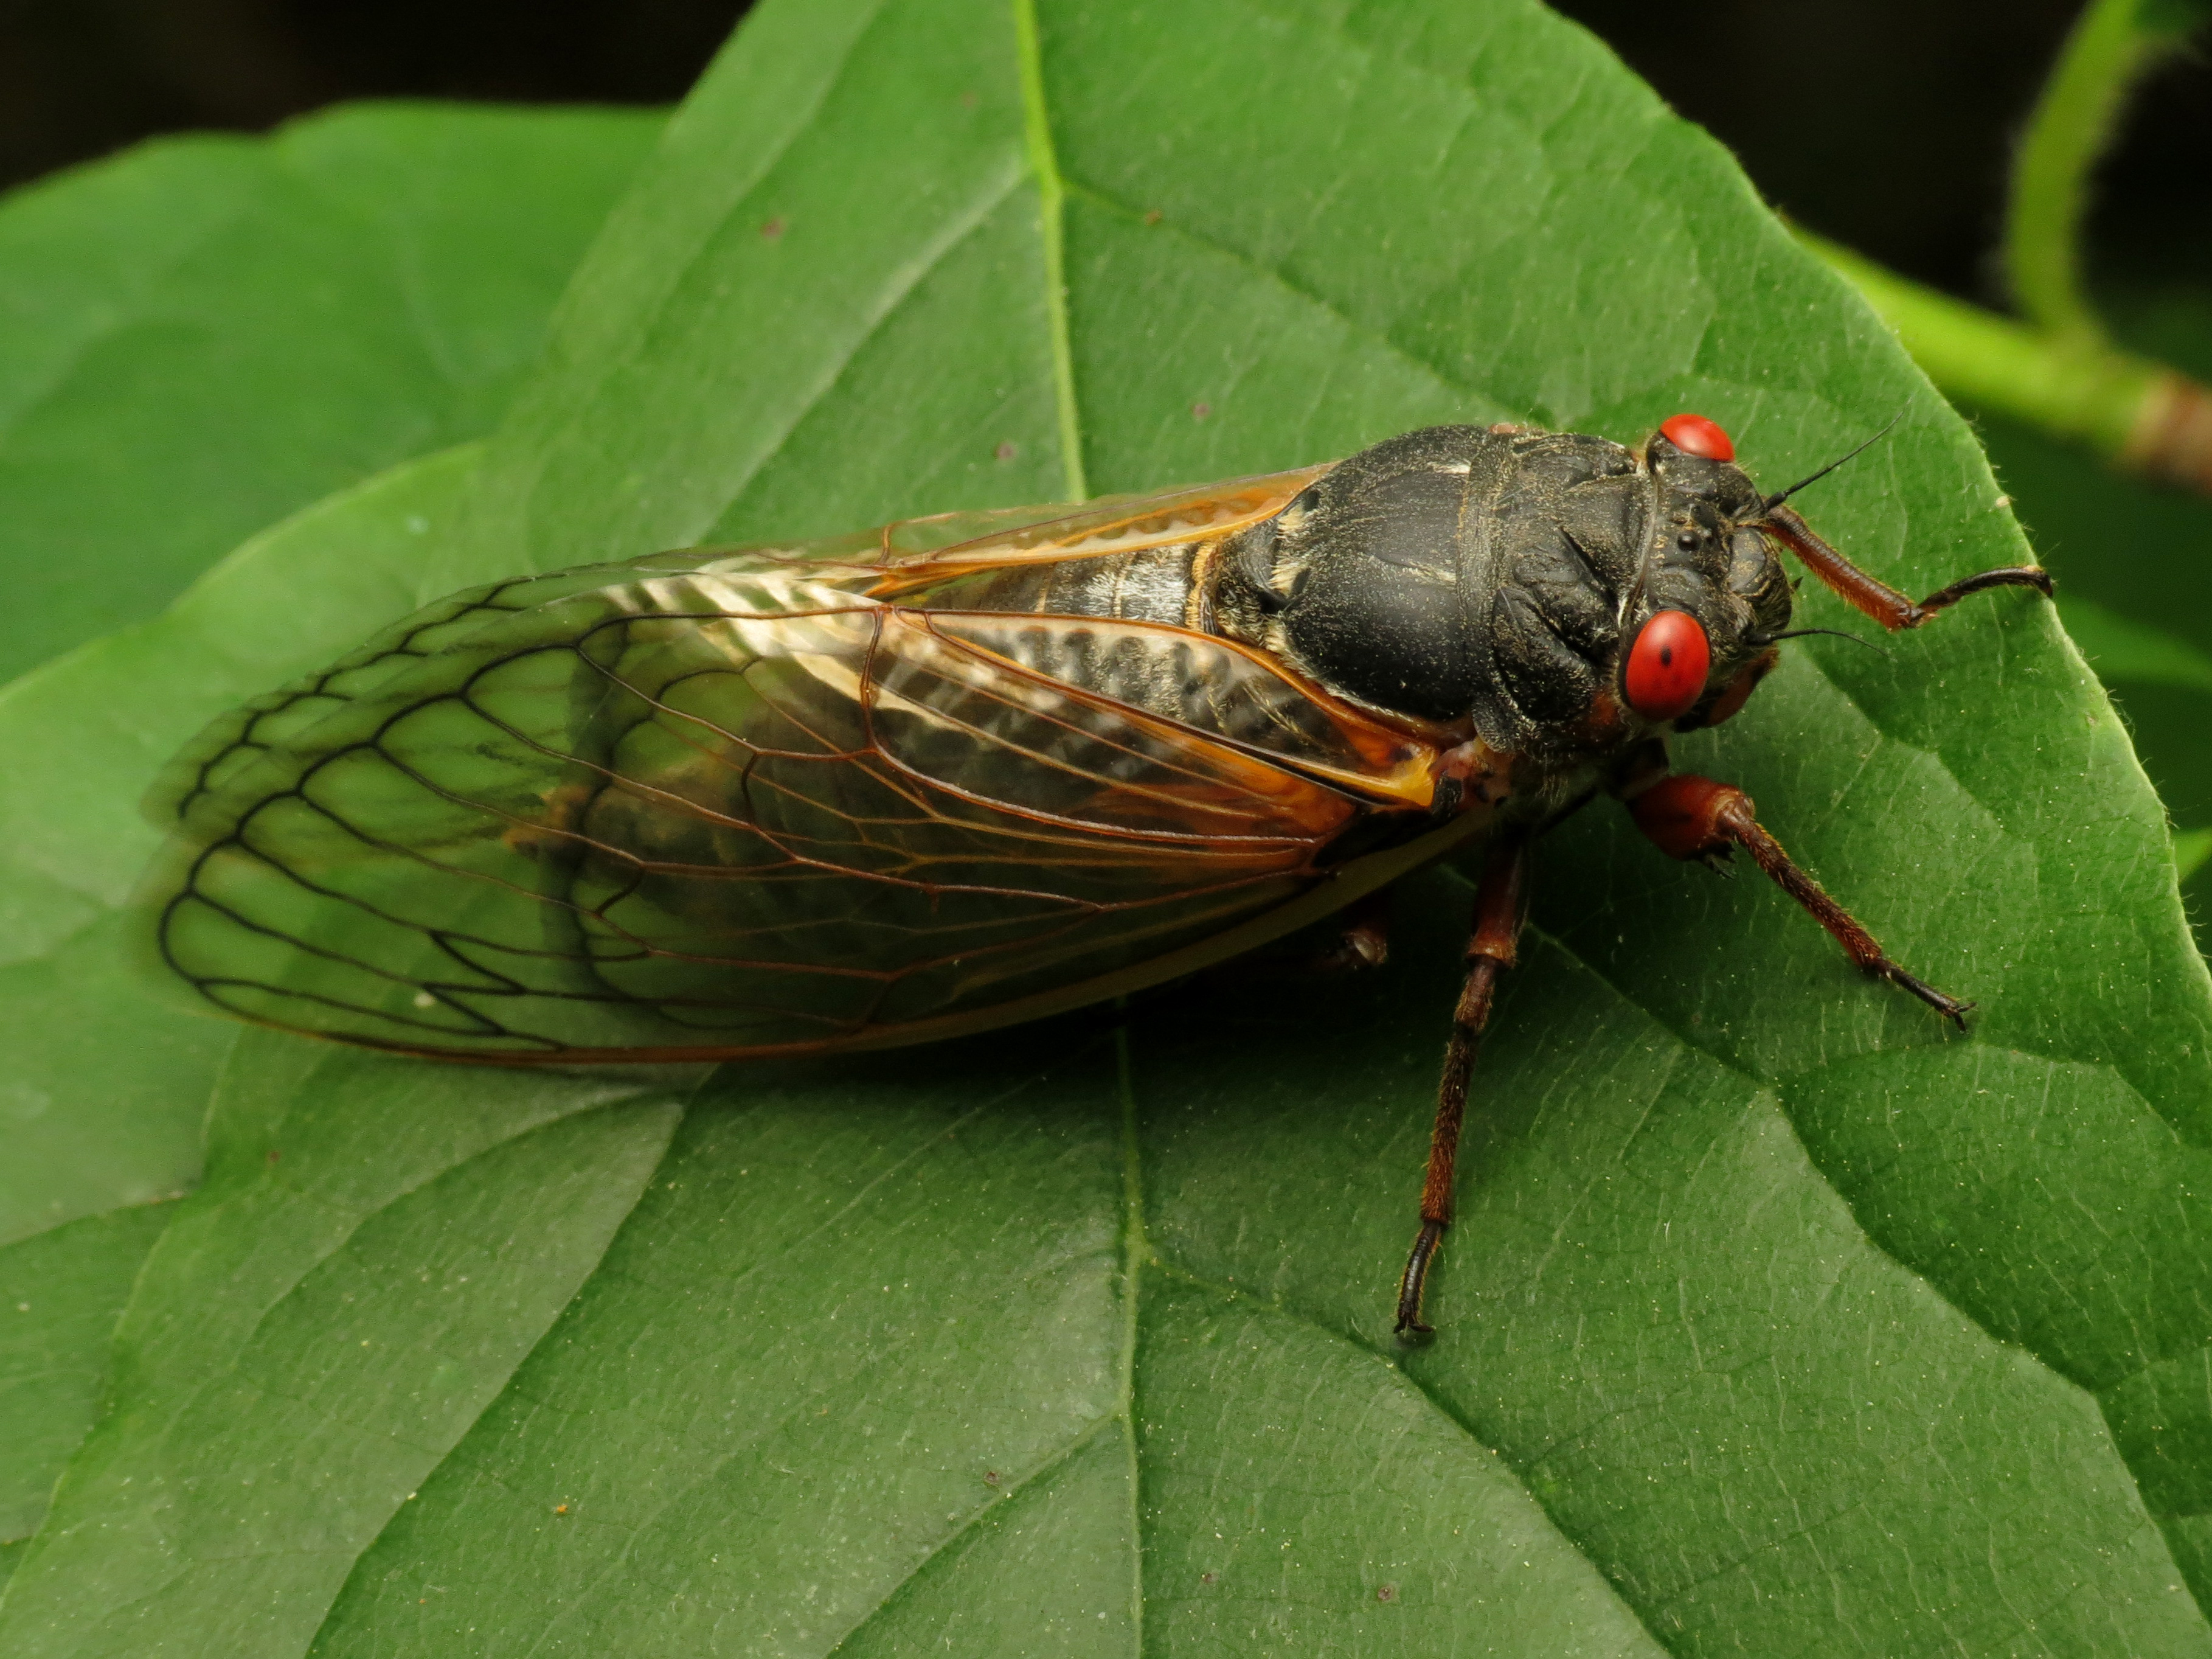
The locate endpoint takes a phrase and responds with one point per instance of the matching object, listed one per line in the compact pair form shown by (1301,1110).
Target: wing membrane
(741,804)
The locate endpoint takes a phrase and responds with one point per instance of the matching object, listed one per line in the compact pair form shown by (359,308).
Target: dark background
(1887,124)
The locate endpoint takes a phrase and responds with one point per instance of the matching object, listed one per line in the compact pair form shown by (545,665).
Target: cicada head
(1554,591)
(1709,587)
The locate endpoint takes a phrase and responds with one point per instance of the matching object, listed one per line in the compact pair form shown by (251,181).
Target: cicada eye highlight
(1694,435)
(1667,666)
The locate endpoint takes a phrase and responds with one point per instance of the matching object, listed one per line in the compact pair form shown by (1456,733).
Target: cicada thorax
(1499,576)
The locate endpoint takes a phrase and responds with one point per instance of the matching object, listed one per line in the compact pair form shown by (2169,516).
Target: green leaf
(60,1294)
(207,333)
(108,1076)
(1776,1320)
(370,1306)
(2134,653)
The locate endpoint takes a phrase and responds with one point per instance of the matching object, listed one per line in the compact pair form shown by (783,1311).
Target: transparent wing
(883,561)
(272,721)
(893,558)
(741,806)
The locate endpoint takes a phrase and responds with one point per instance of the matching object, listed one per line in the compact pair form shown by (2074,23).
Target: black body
(1498,574)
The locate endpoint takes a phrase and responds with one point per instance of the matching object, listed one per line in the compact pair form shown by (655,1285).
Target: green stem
(2076,388)
(2112,44)
(2140,415)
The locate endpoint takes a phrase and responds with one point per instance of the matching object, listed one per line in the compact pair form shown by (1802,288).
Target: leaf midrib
(1052,220)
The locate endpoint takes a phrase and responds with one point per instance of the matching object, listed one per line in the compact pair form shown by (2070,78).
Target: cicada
(970,770)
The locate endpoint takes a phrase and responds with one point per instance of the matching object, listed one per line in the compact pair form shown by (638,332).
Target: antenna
(1800,633)
(1775,501)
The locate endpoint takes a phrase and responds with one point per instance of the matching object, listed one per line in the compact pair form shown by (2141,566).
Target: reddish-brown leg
(1501,903)
(1691,817)
(1878,599)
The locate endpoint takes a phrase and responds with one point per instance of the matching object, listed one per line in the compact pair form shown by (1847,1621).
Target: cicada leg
(1688,816)
(1362,941)
(1355,939)
(1501,904)
(1877,599)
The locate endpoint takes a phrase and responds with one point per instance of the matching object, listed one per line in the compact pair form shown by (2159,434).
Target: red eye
(1667,666)
(1694,435)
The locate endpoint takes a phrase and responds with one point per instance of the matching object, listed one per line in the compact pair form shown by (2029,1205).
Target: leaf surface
(1776,1320)
(200,336)
(61,1292)
(207,333)
(109,1075)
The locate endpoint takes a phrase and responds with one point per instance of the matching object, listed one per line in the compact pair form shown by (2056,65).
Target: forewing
(739,806)
(926,550)
(273,720)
